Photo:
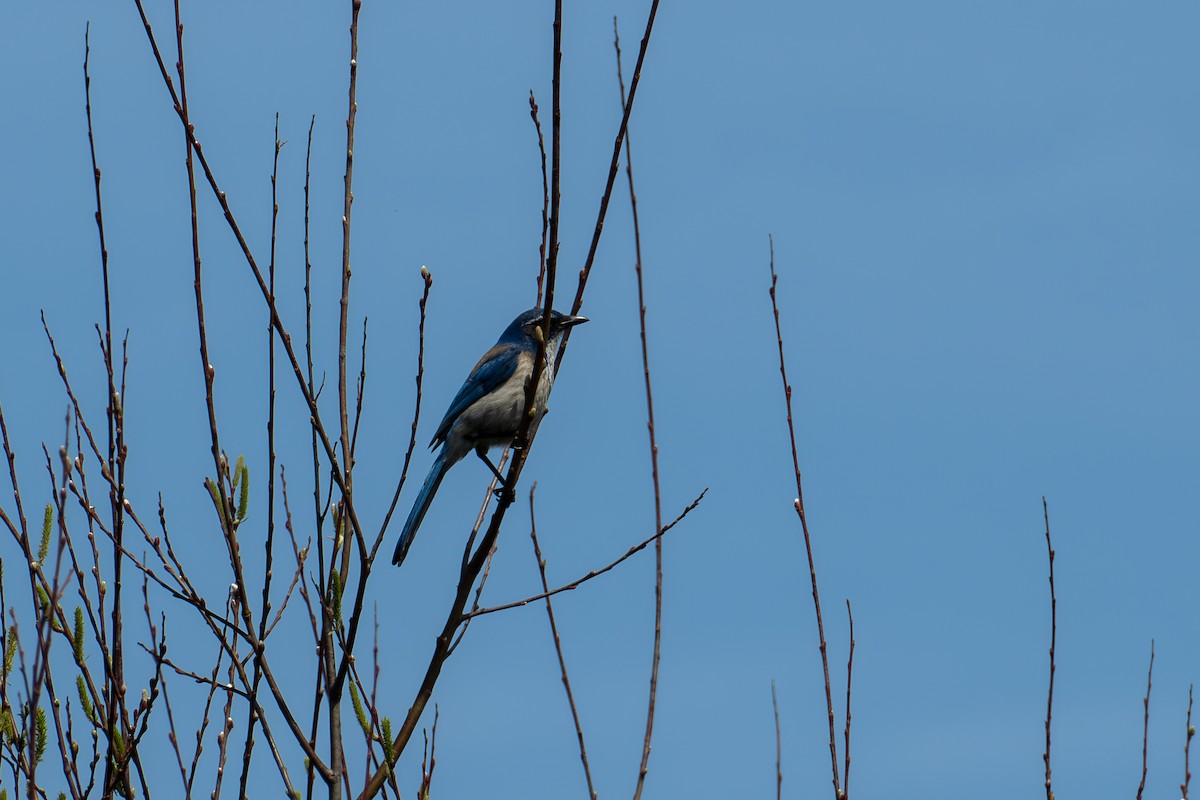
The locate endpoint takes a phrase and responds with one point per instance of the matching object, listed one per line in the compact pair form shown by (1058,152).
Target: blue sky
(985,226)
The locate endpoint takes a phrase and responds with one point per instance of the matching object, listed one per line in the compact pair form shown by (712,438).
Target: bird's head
(525,327)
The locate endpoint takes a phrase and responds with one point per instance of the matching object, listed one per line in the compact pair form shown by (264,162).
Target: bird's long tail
(432,482)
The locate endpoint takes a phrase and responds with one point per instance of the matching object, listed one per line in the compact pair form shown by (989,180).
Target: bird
(488,408)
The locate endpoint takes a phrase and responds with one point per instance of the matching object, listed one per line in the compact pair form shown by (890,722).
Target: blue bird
(487,410)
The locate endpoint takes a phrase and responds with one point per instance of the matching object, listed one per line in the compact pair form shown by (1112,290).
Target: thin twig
(799,506)
(428,759)
(1146,721)
(337,684)
(488,494)
(300,553)
(656,650)
(562,661)
(575,584)
(522,441)
(849,675)
(347,207)
(374,701)
(427,279)
(172,731)
(1187,746)
(335,681)
(227,711)
(318,513)
(1053,641)
(362,385)
(778,746)
(533,112)
(555,177)
(269,547)
(115,663)
(613,166)
(204,718)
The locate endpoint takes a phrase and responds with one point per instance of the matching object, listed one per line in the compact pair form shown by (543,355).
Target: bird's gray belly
(495,419)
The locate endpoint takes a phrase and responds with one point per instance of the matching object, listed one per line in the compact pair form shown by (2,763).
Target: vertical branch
(1187,746)
(365,552)
(427,279)
(562,662)
(555,172)
(206,365)
(252,718)
(227,711)
(428,759)
(334,686)
(115,464)
(1053,641)
(1146,721)
(658,552)
(318,515)
(533,112)
(326,680)
(347,204)
(26,745)
(20,531)
(374,700)
(108,361)
(87,92)
(613,166)
(269,545)
(172,731)
(799,506)
(778,746)
(46,602)
(526,430)
(107,338)
(849,675)
(362,385)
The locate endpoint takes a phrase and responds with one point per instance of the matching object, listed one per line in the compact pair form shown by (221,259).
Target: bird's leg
(481,451)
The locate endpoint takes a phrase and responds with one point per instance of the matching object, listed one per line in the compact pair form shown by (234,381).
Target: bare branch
(562,661)
(799,506)
(1187,747)
(849,675)
(1146,721)
(614,165)
(533,112)
(656,650)
(778,746)
(1053,640)
(427,279)
(594,573)
(428,759)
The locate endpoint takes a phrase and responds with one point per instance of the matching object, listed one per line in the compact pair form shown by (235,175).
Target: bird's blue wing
(496,367)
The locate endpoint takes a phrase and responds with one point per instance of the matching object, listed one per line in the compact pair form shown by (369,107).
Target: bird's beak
(569,321)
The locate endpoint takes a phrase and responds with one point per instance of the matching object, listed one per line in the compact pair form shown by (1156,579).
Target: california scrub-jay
(487,409)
